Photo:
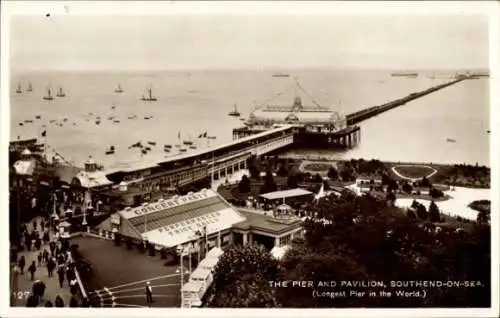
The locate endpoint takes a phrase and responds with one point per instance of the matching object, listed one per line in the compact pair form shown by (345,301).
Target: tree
(244,184)
(332,173)
(317,178)
(483,217)
(425,183)
(410,214)
(391,197)
(435,193)
(422,212)
(269,183)
(434,212)
(292,181)
(407,187)
(241,278)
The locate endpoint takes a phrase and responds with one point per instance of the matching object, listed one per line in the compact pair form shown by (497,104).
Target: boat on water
(30,88)
(28,121)
(177,146)
(166,149)
(119,89)
(450,140)
(192,147)
(147,148)
(280,74)
(234,112)
(38,117)
(49,95)
(144,151)
(60,93)
(167,146)
(404,74)
(110,151)
(98,122)
(116,121)
(212,137)
(152,143)
(488,131)
(182,149)
(150,97)
(148,117)
(19,90)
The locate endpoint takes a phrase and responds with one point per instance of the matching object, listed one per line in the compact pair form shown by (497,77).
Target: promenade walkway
(22,284)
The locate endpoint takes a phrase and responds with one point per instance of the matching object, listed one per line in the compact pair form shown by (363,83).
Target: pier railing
(366,113)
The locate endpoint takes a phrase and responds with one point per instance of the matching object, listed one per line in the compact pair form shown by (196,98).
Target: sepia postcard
(294,158)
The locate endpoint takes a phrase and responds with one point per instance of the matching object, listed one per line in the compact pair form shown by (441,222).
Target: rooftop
(285,194)
(266,223)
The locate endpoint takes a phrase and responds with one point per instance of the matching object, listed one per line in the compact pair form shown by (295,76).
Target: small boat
(242,119)
(192,147)
(21,124)
(19,90)
(66,119)
(113,107)
(234,112)
(112,148)
(98,122)
(177,146)
(30,88)
(187,142)
(182,149)
(116,121)
(144,151)
(49,95)
(119,89)
(147,148)
(111,118)
(38,117)
(450,140)
(280,74)
(132,117)
(60,93)
(148,117)
(488,131)
(152,143)
(28,121)
(150,97)
(166,149)
(167,146)
(212,137)
(110,152)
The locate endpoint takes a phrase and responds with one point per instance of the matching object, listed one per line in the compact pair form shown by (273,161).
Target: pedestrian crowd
(55,258)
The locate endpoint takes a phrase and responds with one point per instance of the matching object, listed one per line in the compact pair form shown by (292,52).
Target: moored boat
(234,112)
(49,95)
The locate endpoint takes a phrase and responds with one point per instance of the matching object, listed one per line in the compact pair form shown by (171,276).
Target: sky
(224,42)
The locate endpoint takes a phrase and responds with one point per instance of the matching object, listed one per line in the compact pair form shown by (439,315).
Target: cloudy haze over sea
(199,66)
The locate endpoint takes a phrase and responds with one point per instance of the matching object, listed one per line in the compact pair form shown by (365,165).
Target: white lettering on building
(167,204)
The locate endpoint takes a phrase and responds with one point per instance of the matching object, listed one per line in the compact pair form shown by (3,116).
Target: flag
(44,133)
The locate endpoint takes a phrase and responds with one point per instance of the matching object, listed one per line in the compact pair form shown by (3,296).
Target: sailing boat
(150,97)
(179,145)
(188,142)
(234,112)
(30,88)
(119,89)
(61,93)
(49,95)
(18,90)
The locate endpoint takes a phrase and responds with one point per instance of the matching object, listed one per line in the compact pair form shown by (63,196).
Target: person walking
(45,256)
(149,294)
(59,302)
(38,243)
(51,264)
(73,286)
(60,273)
(32,270)
(73,302)
(39,258)
(22,263)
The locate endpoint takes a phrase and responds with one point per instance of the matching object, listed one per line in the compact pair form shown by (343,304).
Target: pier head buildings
(314,126)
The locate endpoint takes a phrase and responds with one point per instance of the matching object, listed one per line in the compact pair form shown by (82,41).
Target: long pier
(366,113)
